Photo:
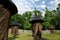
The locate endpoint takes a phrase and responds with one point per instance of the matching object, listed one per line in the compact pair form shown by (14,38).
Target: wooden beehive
(36,22)
(4,22)
(6,12)
(14,28)
(52,29)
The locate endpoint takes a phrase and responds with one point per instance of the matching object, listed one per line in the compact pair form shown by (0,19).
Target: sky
(29,5)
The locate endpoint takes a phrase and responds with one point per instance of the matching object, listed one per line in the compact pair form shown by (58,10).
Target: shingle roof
(52,26)
(36,19)
(15,23)
(10,6)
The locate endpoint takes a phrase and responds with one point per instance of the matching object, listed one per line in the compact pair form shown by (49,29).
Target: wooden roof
(9,5)
(15,23)
(36,18)
(52,27)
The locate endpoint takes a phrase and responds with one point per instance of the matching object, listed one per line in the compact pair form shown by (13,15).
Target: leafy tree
(56,17)
(47,18)
(50,18)
(38,13)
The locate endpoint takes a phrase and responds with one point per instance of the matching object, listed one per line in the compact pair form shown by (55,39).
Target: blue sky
(28,5)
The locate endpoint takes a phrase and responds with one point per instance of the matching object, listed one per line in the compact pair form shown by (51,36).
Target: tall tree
(57,17)
(47,18)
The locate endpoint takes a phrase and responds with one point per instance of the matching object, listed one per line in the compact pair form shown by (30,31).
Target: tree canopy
(50,18)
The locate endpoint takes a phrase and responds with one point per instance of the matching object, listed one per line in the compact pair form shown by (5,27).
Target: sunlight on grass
(55,36)
(21,37)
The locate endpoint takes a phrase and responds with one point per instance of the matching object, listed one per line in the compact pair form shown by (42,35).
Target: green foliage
(47,18)
(47,25)
(50,18)
(56,17)
(38,13)
(24,19)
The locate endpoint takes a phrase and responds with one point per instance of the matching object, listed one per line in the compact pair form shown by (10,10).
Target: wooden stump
(4,22)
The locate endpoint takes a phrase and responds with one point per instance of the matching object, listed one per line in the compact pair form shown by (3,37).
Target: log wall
(37,29)
(14,30)
(4,23)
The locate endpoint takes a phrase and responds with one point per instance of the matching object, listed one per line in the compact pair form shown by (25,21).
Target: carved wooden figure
(7,9)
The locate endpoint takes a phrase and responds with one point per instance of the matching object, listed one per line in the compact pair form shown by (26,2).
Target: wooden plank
(2,12)
(3,17)
(4,22)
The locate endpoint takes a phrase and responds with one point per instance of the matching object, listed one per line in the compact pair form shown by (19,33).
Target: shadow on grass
(29,35)
(12,38)
(41,39)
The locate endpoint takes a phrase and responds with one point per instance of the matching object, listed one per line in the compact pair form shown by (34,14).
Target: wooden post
(4,22)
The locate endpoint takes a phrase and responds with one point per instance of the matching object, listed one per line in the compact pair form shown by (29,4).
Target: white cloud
(43,2)
(36,0)
(43,13)
(28,5)
(24,5)
(54,3)
(51,2)
(43,6)
(38,6)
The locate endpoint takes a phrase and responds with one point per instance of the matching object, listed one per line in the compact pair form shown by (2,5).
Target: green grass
(51,36)
(56,36)
(21,37)
(57,33)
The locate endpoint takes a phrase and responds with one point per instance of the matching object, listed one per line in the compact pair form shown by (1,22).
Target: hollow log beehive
(4,23)
(6,11)
(36,22)
(14,28)
(52,29)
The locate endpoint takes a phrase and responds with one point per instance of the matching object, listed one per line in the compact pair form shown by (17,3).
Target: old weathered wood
(52,29)
(7,9)
(37,30)
(36,22)
(4,22)
(14,30)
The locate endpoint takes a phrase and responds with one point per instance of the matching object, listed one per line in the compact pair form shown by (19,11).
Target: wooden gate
(4,23)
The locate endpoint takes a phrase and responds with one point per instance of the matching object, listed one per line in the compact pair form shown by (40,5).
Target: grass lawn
(21,37)
(56,36)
